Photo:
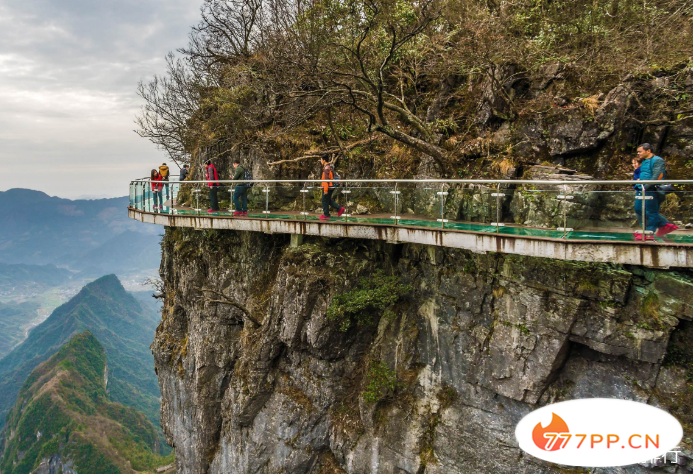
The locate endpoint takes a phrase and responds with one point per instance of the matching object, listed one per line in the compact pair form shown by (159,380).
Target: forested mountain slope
(64,421)
(118,321)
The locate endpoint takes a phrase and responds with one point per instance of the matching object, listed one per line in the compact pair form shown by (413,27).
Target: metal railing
(563,206)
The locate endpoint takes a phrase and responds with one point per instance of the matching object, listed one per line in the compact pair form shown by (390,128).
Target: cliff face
(431,379)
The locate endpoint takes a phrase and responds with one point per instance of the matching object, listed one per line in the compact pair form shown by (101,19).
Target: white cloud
(68,76)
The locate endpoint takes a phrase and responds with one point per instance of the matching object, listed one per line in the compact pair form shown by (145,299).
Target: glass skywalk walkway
(583,211)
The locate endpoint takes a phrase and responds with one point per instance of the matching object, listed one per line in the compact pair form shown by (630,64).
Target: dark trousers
(213,201)
(166,187)
(158,201)
(653,219)
(327,201)
(240,198)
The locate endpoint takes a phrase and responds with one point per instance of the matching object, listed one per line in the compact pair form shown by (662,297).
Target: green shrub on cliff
(371,296)
(381,381)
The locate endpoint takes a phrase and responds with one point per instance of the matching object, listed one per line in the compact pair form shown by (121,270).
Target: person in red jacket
(157,186)
(213,184)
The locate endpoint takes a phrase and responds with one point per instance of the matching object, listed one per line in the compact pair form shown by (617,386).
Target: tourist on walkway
(240,197)
(652,168)
(157,185)
(212,182)
(163,171)
(183,173)
(637,161)
(327,190)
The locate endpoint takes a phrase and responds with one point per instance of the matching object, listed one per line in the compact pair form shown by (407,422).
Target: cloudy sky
(68,77)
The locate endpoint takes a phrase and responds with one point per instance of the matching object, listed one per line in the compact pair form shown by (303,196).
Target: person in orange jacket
(157,186)
(327,190)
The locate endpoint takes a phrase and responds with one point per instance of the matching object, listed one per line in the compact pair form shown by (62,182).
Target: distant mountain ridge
(120,324)
(39,229)
(31,276)
(63,420)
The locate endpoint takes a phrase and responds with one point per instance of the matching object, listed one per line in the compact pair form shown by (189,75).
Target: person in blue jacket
(651,168)
(636,171)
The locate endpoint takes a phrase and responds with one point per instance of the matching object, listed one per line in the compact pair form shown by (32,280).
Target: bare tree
(230,30)
(170,101)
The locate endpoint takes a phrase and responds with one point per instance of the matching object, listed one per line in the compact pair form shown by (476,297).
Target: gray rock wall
(480,341)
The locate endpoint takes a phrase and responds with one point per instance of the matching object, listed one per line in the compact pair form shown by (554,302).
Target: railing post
(396,193)
(197,192)
(565,198)
(232,202)
(643,202)
(442,193)
(644,215)
(346,191)
(498,224)
(565,209)
(304,191)
(497,207)
(267,191)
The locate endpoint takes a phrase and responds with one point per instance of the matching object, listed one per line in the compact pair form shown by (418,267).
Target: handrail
(451,181)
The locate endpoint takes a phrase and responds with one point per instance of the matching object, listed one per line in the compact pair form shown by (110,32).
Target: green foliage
(380,382)
(88,458)
(121,326)
(372,295)
(63,408)
(447,127)
(523,329)
(650,306)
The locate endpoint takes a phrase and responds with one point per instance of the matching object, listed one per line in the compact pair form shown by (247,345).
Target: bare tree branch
(227,300)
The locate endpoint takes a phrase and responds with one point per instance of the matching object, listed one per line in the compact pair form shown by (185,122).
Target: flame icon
(548,438)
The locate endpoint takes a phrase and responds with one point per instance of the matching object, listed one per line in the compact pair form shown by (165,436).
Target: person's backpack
(247,177)
(335,177)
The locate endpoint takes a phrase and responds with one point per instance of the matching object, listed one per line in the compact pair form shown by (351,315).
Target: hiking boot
(324,218)
(211,210)
(245,213)
(666,229)
(341,211)
(237,213)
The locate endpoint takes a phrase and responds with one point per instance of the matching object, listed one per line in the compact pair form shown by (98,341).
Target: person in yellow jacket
(163,171)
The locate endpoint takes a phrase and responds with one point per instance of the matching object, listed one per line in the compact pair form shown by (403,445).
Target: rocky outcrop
(434,383)
(55,465)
